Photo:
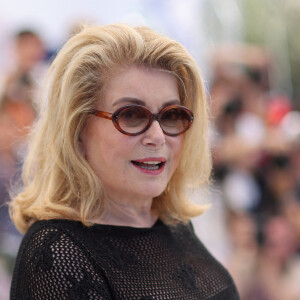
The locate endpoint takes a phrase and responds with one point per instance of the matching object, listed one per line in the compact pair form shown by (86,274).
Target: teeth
(151,162)
(153,167)
(149,165)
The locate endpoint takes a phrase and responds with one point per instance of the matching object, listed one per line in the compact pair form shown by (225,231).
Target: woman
(104,203)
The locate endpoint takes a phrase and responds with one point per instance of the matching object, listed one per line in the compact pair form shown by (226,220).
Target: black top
(62,259)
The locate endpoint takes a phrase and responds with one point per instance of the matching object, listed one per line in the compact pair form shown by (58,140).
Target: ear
(81,147)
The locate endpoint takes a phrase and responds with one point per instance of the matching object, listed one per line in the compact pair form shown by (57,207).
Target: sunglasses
(135,119)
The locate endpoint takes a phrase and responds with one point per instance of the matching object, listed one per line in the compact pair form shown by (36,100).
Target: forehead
(151,85)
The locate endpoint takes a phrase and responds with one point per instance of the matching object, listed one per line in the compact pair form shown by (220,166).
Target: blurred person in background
(21,83)
(265,265)
(104,206)
(28,53)
(243,260)
(17,113)
(17,109)
(278,269)
(256,167)
(18,95)
(9,238)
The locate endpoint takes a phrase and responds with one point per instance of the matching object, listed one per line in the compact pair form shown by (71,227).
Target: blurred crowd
(18,110)
(256,155)
(255,138)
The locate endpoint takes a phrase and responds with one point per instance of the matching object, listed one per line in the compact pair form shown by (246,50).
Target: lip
(160,159)
(148,159)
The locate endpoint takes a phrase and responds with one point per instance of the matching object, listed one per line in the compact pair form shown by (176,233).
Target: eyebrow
(141,102)
(129,100)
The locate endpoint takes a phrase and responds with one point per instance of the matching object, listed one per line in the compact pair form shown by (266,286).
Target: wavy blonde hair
(58,182)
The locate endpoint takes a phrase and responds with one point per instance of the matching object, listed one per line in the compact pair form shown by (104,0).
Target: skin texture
(130,189)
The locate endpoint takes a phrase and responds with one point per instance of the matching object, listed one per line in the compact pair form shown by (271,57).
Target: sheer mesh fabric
(61,259)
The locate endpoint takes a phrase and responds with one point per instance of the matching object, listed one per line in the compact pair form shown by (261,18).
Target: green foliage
(276,25)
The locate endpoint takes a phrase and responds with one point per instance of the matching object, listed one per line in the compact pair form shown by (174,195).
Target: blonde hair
(58,182)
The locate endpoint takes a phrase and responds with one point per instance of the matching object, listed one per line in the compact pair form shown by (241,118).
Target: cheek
(103,145)
(176,149)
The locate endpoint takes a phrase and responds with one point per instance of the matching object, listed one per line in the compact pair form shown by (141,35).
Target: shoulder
(56,236)
(52,241)
(199,266)
(52,259)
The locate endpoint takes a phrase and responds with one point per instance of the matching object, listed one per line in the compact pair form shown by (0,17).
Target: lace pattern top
(63,259)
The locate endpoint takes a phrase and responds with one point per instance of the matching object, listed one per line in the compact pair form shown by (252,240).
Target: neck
(133,214)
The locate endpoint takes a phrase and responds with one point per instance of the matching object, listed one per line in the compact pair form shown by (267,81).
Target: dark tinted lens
(175,120)
(133,119)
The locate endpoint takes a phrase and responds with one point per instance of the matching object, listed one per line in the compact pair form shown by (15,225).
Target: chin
(153,192)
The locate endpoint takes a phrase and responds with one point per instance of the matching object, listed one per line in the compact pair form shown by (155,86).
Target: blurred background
(249,54)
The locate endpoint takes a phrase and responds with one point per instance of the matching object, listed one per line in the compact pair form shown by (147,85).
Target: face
(134,167)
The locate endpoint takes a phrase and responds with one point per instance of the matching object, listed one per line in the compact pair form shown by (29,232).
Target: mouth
(149,164)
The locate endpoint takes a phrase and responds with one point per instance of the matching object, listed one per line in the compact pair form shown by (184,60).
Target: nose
(154,135)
